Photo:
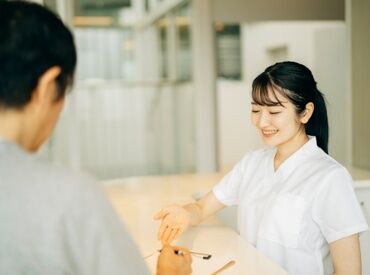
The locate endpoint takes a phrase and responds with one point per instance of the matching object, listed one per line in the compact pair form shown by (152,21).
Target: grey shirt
(53,221)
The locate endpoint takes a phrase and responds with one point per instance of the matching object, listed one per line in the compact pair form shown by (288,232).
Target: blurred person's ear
(43,110)
(45,91)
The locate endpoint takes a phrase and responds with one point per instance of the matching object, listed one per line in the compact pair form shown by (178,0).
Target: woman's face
(277,125)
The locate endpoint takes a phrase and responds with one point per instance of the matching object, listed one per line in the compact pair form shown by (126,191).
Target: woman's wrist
(195,213)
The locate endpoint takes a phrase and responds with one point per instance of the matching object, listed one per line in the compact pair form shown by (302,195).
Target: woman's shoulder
(325,165)
(326,160)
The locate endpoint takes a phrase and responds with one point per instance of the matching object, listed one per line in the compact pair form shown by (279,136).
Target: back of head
(32,40)
(295,82)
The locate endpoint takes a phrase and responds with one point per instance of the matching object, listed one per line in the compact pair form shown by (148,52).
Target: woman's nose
(263,120)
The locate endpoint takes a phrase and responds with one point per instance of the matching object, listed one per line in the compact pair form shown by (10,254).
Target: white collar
(296,158)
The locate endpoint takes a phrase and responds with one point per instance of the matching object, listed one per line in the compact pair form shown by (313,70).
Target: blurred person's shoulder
(25,176)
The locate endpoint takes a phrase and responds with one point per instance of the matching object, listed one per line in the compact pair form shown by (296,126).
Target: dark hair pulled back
(295,82)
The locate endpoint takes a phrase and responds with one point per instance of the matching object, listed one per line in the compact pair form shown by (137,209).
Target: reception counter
(138,199)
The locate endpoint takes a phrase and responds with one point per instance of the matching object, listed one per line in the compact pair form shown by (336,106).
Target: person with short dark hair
(296,204)
(52,221)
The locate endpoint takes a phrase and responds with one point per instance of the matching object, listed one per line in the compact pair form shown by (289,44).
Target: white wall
(236,133)
(321,46)
(331,72)
(359,22)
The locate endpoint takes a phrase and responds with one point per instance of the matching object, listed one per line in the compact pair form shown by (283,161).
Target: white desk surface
(359,174)
(138,199)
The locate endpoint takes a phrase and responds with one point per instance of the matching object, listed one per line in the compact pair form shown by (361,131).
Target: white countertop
(359,174)
(361,178)
(138,199)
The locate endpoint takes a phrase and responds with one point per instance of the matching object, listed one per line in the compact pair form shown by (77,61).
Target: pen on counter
(203,255)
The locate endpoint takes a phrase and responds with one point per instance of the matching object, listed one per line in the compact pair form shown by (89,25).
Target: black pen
(203,255)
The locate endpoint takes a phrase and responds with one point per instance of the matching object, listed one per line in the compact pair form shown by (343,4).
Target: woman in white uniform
(296,204)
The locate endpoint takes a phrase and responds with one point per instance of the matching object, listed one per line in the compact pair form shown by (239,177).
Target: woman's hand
(175,220)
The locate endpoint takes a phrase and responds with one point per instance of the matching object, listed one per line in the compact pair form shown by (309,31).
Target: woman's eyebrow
(272,104)
(279,103)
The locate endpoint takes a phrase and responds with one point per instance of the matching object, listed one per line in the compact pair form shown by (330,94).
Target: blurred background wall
(163,86)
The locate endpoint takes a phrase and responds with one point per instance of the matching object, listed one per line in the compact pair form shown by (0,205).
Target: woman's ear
(307,113)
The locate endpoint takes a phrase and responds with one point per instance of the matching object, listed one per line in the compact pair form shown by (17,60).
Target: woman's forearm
(196,213)
(202,209)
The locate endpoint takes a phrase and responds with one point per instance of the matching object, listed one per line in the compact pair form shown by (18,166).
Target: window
(228,50)
(183,42)
(163,49)
(105,53)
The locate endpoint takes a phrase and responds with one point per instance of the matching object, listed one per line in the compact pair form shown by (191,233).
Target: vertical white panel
(65,9)
(204,76)
(331,72)
(360,26)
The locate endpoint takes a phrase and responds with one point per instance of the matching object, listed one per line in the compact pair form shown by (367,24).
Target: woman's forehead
(269,95)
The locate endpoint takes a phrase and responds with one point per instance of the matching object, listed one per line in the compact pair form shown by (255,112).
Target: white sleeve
(336,209)
(98,242)
(227,190)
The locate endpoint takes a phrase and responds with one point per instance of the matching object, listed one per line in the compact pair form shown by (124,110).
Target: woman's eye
(255,111)
(274,113)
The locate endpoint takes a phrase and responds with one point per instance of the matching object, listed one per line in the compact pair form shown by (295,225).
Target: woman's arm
(346,256)
(176,219)
(205,207)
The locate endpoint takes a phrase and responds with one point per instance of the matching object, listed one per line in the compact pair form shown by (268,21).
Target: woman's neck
(288,148)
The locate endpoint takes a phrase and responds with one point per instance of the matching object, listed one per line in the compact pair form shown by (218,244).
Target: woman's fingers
(172,235)
(179,232)
(166,234)
(165,211)
(174,221)
(161,230)
(161,214)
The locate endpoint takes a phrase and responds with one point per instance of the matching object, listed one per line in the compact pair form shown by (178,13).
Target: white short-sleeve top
(293,213)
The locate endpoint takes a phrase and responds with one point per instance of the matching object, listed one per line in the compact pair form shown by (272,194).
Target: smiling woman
(278,124)
(288,196)
(291,85)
